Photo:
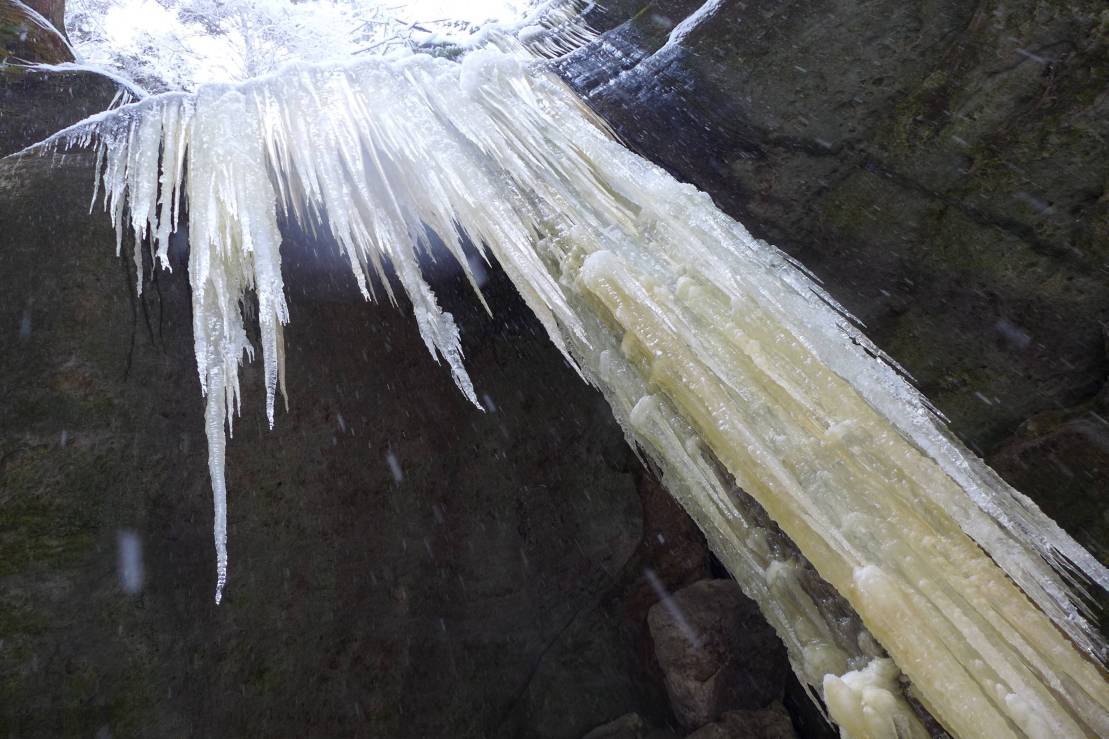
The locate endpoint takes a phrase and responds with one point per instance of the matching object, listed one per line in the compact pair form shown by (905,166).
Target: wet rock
(716,652)
(767,724)
(1065,451)
(51,10)
(808,717)
(61,99)
(24,38)
(566,690)
(672,553)
(629,726)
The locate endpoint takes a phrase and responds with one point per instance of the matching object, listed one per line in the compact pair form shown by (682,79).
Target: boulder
(767,724)
(1066,451)
(60,100)
(30,34)
(629,726)
(716,652)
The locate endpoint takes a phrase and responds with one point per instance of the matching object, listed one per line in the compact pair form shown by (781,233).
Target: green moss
(17,619)
(33,533)
(47,520)
(916,118)
(69,396)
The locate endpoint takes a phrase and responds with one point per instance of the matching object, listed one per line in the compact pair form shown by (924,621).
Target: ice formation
(178,45)
(716,352)
(865,703)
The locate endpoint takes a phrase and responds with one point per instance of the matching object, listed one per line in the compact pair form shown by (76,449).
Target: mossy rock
(25,38)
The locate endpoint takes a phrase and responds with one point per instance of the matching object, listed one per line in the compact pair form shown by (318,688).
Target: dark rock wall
(34,105)
(23,39)
(716,651)
(52,10)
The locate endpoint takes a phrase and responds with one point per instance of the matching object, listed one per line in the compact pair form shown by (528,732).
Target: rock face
(942,167)
(24,38)
(1067,452)
(51,10)
(716,652)
(770,724)
(630,726)
(60,99)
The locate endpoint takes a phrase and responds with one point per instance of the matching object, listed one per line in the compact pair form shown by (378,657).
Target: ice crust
(713,348)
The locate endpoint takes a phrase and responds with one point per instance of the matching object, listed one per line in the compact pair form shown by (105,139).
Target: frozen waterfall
(725,363)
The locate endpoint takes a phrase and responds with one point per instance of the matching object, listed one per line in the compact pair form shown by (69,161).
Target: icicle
(865,704)
(557,28)
(714,350)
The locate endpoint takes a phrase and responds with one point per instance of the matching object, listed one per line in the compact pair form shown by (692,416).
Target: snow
(134,90)
(129,561)
(715,351)
(679,33)
(181,44)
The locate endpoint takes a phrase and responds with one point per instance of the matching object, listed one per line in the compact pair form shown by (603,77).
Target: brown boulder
(28,35)
(716,652)
(768,724)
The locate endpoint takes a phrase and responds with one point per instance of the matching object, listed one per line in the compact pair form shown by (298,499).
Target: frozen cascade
(715,351)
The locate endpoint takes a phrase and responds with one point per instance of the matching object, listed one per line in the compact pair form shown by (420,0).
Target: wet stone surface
(716,651)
